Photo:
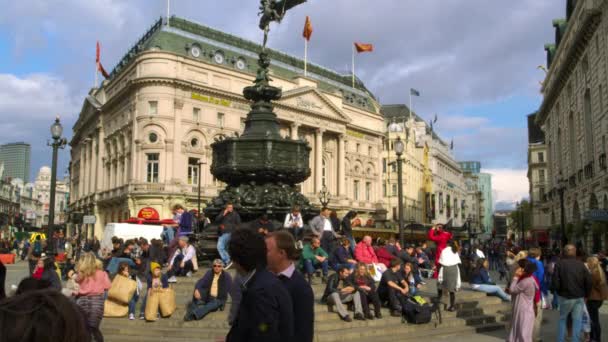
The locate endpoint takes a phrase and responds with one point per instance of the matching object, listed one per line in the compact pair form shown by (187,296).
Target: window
(541,157)
(368,191)
(323,173)
(369,151)
(383,165)
(394,167)
(356,190)
(541,193)
(194,142)
(394,189)
(152,107)
(152,168)
(196,114)
(541,176)
(220,119)
(358,148)
(193,169)
(384,194)
(152,137)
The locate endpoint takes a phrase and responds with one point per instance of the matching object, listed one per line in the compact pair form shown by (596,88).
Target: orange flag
(361,47)
(307,33)
(98,62)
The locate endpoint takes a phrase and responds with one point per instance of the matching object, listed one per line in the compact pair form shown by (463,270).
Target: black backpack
(416,313)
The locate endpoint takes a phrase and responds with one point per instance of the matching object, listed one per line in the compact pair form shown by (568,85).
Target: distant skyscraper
(470,166)
(16,159)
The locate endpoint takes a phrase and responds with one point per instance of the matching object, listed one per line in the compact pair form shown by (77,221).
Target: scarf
(38,273)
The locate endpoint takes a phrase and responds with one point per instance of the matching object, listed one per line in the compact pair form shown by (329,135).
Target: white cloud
(34,96)
(462,122)
(508,185)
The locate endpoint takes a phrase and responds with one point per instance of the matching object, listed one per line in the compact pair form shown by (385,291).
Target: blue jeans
(222,245)
(493,290)
(201,309)
(310,268)
(567,306)
(133,303)
(352,244)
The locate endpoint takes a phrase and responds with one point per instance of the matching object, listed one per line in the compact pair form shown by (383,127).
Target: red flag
(98,62)
(307,33)
(361,47)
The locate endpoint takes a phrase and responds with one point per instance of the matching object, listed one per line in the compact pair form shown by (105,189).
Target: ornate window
(152,107)
(153,138)
(193,171)
(196,114)
(152,168)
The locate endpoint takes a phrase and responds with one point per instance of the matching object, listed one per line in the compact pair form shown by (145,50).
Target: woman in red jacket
(384,256)
(441,238)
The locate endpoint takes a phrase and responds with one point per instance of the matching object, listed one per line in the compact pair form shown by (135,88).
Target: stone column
(341,167)
(294,131)
(81,172)
(318,159)
(100,162)
(95,165)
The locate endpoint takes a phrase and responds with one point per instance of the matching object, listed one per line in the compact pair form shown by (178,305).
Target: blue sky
(473,61)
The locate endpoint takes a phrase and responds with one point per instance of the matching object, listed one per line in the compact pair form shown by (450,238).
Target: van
(127,231)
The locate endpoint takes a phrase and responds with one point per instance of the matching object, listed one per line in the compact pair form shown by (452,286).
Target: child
(156,280)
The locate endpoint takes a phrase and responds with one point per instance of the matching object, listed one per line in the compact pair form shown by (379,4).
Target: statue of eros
(274,10)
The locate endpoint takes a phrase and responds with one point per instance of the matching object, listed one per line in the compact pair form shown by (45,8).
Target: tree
(522,213)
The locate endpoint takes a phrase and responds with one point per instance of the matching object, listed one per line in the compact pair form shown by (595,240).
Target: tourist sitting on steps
(341,290)
(480,281)
(342,256)
(313,258)
(210,292)
(366,287)
(393,288)
(181,264)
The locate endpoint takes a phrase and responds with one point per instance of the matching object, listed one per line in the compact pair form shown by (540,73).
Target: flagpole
(410,103)
(96,69)
(353,63)
(305,56)
(168,10)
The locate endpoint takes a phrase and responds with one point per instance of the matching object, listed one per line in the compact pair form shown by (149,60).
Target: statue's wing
(283,6)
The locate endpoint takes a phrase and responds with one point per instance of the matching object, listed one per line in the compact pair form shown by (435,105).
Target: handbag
(114,309)
(151,313)
(122,289)
(166,302)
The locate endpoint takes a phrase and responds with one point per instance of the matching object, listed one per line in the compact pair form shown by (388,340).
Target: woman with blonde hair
(599,293)
(93,282)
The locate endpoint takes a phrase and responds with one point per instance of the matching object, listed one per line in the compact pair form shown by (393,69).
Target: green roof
(182,35)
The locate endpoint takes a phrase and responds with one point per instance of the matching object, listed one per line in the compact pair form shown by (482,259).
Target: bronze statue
(274,10)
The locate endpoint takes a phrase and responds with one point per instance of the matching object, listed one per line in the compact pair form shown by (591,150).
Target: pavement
(19,271)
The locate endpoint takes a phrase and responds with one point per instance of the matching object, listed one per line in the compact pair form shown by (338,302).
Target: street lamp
(324,196)
(399,147)
(562,217)
(57,143)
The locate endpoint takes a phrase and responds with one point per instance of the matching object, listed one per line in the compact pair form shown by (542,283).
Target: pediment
(308,99)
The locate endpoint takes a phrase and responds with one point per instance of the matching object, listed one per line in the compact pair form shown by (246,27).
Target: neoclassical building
(143,137)
(573,118)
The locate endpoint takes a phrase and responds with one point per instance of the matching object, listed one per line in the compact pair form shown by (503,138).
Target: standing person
(93,282)
(294,223)
(228,221)
(572,283)
(599,293)
(177,216)
(524,289)
(167,235)
(265,312)
(449,273)
(210,292)
(347,228)
(281,255)
(366,287)
(441,238)
(534,255)
(322,228)
(314,257)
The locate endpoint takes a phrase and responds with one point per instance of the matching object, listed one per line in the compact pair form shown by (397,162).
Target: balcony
(588,170)
(602,161)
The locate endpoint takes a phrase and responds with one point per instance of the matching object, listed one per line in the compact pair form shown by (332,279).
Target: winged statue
(274,10)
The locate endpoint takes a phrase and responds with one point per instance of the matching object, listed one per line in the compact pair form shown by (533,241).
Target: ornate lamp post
(324,196)
(399,147)
(57,143)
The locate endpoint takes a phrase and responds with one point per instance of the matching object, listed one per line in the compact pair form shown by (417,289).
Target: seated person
(313,258)
(480,281)
(210,292)
(410,279)
(340,290)
(384,253)
(342,256)
(182,265)
(46,269)
(155,280)
(366,287)
(408,255)
(393,288)
(424,262)
(263,225)
(364,252)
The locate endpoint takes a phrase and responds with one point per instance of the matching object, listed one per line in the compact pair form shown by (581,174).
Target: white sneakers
(172,280)
(189,274)
(131,317)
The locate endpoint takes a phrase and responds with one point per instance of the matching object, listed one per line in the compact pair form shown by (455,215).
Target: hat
(153,266)
(183,238)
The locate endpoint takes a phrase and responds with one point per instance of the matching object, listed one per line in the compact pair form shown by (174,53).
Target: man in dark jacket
(281,256)
(228,221)
(572,283)
(210,292)
(340,290)
(265,311)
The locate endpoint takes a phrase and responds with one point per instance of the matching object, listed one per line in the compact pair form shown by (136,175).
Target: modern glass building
(485,186)
(16,160)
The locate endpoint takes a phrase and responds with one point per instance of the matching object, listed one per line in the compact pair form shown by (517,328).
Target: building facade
(16,160)
(143,138)
(573,118)
(538,183)
(484,186)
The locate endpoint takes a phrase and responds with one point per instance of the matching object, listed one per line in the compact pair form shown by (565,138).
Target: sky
(474,62)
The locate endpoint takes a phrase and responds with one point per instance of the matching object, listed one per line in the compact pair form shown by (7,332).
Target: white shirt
(291,218)
(327,225)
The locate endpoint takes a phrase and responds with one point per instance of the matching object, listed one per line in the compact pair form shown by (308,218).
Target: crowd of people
(271,294)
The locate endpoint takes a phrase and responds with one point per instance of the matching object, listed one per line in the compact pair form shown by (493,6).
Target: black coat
(303,306)
(265,312)
(347,228)
(230,222)
(332,285)
(571,279)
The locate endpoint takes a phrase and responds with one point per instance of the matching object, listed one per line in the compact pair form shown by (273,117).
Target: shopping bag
(114,309)
(152,303)
(166,302)
(122,289)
